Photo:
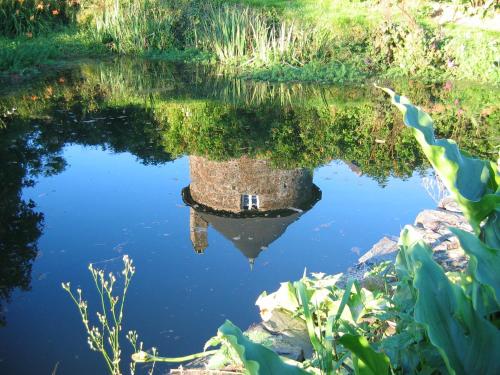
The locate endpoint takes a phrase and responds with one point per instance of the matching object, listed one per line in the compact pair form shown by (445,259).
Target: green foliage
(465,339)
(133,26)
(409,50)
(32,17)
(473,55)
(366,360)
(484,270)
(255,358)
(330,313)
(329,41)
(24,55)
(473,183)
(243,36)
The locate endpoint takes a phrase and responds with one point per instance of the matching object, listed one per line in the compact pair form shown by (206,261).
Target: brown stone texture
(220,184)
(198,231)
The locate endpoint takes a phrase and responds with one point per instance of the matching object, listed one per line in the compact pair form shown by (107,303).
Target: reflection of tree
(153,110)
(295,137)
(20,225)
(31,146)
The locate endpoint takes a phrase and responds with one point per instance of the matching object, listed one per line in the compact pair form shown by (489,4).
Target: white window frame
(249,204)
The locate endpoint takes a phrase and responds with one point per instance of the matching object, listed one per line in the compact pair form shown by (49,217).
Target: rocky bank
(289,337)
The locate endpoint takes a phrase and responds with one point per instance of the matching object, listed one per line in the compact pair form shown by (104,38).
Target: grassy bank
(25,56)
(302,40)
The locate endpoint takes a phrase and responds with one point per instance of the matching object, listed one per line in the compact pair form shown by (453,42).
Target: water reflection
(96,158)
(249,201)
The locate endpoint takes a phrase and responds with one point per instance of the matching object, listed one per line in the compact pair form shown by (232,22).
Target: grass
(130,26)
(277,40)
(478,57)
(309,72)
(24,55)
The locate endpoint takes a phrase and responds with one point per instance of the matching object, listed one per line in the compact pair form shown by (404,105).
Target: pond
(218,189)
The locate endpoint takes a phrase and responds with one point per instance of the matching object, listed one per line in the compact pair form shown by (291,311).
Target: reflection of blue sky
(104,205)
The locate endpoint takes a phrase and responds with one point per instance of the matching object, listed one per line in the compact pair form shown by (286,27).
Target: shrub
(31,17)
(410,50)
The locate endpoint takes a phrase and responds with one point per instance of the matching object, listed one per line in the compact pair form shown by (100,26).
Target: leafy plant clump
(31,17)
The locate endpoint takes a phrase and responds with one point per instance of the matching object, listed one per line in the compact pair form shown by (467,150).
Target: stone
(449,204)
(220,185)
(439,220)
(295,347)
(385,249)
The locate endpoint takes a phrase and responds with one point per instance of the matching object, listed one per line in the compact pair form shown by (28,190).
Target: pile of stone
(432,225)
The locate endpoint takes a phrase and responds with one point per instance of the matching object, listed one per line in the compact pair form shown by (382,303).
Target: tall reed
(240,35)
(133,26)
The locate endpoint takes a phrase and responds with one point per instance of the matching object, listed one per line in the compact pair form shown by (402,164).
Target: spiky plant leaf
(367,361)
(473,183)
(467,342)
(484,268)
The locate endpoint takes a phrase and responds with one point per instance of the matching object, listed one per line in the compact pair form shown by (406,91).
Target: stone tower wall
(219,185)
(198,231)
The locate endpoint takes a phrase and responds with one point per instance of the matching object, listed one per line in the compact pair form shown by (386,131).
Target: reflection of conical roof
(250,235)
(250,231)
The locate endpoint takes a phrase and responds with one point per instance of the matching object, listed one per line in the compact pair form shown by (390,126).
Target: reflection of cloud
(323,226)
(356,250)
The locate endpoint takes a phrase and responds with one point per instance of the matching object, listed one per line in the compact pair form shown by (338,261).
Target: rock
(449,204)
(439,220)
(385,249)
(434,227)
(289,332)
(294,347)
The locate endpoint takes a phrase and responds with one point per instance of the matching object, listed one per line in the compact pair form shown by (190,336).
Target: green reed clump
(240,35)
(129,26)
(32,17)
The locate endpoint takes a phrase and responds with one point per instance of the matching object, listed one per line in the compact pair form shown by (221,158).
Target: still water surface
(100,190)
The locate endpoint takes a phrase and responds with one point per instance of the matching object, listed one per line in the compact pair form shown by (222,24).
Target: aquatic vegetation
(240,35)
(473,183)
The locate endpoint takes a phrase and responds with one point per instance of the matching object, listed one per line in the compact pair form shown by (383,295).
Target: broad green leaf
(468,343)
(256,358)
(484,267)
(491,230)
(322,348)
(311,328)
(345,299)
(284,298)
(473,183)
(369,362)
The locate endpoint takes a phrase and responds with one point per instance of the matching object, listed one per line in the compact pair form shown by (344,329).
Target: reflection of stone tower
(246,200)
(198,228)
